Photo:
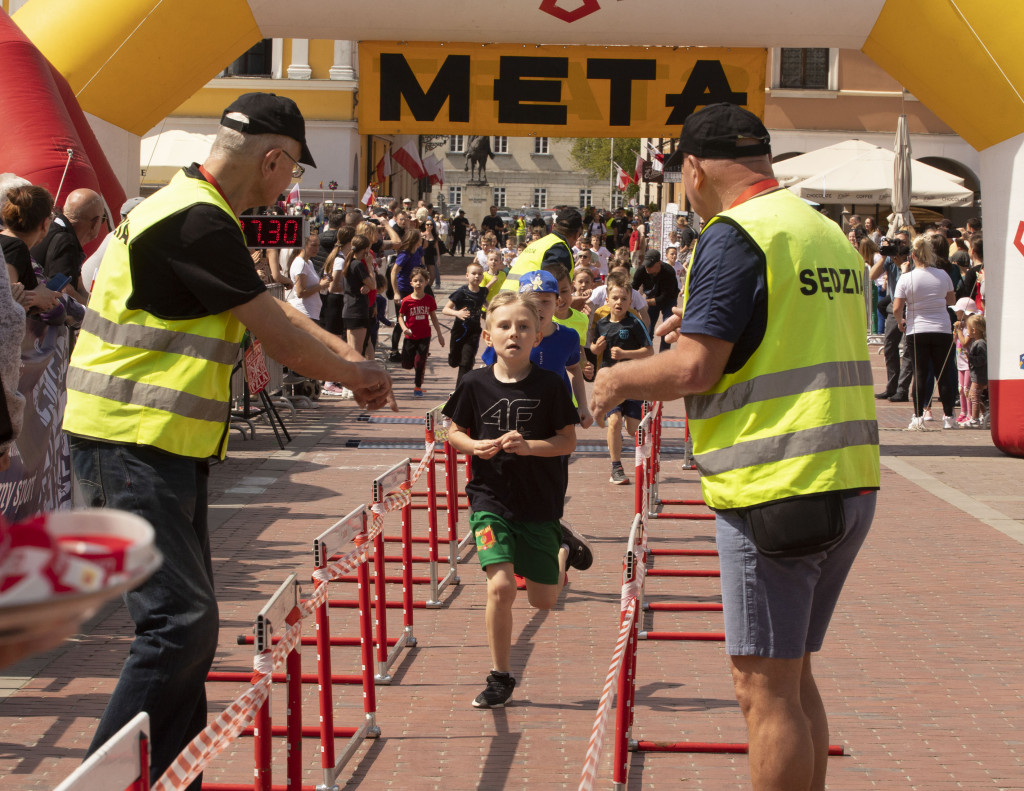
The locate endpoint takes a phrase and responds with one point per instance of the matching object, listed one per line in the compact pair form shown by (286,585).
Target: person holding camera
(896,252)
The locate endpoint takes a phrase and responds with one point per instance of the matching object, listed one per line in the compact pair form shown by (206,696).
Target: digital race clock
(273,230)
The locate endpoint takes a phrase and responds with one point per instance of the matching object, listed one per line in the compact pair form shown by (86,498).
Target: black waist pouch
(797,525)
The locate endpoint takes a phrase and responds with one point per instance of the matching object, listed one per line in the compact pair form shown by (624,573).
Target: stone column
(342,68)
(299,68)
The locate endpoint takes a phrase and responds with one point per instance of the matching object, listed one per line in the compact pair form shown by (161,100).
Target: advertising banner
(570,91)
(39,478)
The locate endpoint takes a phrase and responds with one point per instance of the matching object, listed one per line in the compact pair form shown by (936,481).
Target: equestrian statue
(477,151)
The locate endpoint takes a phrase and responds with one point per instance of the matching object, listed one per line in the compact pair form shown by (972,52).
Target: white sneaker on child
(948,422)
(927,415)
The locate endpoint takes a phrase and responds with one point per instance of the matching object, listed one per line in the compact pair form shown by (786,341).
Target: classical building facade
(525,171)
(817,97)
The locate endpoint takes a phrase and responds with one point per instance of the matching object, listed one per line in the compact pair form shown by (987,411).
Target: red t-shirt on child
(416,313)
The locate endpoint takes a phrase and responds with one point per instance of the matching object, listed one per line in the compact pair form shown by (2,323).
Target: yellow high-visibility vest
(532,257)
(799,417)
(138,379)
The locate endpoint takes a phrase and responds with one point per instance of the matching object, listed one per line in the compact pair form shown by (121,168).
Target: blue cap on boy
(538,282)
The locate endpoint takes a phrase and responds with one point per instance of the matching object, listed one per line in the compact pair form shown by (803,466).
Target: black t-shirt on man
(192,264)
(661,286)
(524,488)
(59,252)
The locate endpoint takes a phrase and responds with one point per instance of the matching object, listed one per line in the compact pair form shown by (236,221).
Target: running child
(466,304)
(559,347)
(620,336)
(494,275)
(568,316)
(516,421)
(415,314)
(595,305)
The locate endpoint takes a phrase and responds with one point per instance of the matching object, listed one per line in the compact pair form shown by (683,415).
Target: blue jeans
(175,610)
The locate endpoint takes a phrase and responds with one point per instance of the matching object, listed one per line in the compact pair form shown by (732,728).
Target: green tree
(593,156)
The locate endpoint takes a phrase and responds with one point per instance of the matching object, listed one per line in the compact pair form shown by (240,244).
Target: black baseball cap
(651,257)
(717,131)
(268,114)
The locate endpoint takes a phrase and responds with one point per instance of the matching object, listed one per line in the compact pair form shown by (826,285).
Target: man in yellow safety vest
(772,359)
(149,394)
(554,248)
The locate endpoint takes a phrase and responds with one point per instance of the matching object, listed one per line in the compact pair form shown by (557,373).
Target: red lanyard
(209,177)
(753,190)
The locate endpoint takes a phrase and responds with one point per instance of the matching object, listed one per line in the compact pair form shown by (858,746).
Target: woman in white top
(305,295)
(926,292)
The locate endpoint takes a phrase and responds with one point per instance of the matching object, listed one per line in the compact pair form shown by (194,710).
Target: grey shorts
(781,607)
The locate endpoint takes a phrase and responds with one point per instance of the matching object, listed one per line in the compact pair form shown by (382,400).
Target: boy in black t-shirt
(466,304)
(516,420)
(620,336)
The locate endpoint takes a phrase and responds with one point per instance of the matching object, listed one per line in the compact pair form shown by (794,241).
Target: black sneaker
(899,397)
(884,396)
(581,556)
(618,475)
(395,357)
(496,693)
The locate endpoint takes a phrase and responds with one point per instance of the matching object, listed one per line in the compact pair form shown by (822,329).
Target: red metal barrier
(647,502)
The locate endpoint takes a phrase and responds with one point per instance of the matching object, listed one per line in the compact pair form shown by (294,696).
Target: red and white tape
(213,740)
(604,710)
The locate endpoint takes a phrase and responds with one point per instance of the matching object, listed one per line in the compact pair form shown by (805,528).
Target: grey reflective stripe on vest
(155,339)
(146,395)
(777,385)
(788,446)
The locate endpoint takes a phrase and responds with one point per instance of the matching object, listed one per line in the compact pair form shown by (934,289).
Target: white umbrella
(857,172)
(902,178)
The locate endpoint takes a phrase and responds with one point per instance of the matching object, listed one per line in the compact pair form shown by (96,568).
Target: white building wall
(520,171)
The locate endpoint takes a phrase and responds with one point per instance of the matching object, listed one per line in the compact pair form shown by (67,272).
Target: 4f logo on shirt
(485,539)
(510,414)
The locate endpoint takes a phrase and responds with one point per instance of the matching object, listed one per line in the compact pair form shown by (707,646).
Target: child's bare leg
(615,436)
(544,597)
(501,593)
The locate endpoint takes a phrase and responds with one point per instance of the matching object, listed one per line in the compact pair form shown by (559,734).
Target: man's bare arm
(295,341)
(692,365)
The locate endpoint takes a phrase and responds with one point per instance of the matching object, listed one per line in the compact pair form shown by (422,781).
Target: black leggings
(414,357)
(933,350)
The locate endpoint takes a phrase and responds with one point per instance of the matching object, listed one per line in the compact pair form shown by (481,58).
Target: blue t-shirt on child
(554,353)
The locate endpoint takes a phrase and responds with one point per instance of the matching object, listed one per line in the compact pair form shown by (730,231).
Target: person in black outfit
(466,304)
(60,251)
(659,285)
(492,222)
(899,371)
(459,227)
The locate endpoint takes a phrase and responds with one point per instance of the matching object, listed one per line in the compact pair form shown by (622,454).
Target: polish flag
(622,180)
(293,196)
(384,168)
(407,157)
(638,169)
(435,170)
(657,159)
(368,197)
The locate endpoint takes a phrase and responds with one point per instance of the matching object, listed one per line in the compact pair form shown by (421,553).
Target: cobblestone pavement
(919,673)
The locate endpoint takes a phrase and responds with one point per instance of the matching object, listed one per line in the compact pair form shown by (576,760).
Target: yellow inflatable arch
(132,62)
